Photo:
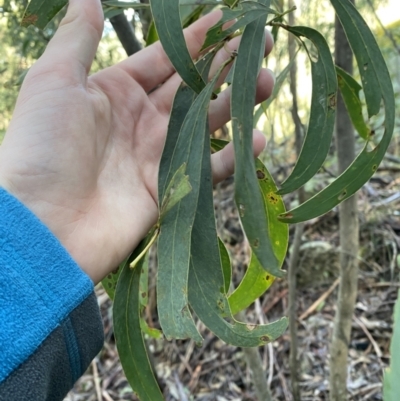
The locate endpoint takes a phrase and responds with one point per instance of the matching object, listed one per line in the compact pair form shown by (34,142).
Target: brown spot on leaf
(265,339)
(116,270)
(144,294)
(260,174)
(109,277)
(288,216)
(256,243)
(267,277)
(332,101)
(29,20)
(250,327)
(272,198)
(374,167)
(342,195)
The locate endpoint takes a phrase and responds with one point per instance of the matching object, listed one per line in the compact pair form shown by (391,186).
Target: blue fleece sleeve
(40,284)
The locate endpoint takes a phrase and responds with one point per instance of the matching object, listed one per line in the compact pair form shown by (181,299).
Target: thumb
(75,43)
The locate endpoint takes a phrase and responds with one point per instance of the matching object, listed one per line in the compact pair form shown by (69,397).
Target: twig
(107,396)
(271,364)
(370,338)
(96,381)
(321,299)
(281,376)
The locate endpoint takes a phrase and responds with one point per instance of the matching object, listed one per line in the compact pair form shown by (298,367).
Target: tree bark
(348,236)
(126,34)
(294,257)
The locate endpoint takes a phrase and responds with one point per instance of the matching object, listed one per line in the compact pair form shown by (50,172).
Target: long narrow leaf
(169,28)
(40,13)
(277,87)
(125,4)
(226,265)
(174,244)
(322,115)
(245,12)
(110,281)
(207,294)
(377,87)
(350,90)
(256,280)
(183,101)
(127,328)
(248,196)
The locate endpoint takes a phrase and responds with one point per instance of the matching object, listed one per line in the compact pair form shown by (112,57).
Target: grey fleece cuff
(51,371)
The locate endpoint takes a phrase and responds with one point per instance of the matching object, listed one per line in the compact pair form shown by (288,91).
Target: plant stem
(278,16)
(254,363)
(156,231)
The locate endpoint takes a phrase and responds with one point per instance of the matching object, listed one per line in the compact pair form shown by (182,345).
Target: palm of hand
(83,153)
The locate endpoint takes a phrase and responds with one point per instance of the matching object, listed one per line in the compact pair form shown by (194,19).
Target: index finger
(150,67)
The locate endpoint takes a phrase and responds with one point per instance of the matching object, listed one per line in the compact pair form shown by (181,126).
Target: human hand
(82,153)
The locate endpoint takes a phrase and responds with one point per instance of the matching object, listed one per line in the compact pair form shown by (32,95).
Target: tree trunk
(348,236)
(294,257)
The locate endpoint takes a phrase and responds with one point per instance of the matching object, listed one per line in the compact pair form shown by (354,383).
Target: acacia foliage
(194,268)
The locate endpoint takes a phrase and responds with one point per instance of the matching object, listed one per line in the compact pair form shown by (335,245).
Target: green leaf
(152,35)
(125,4)
(40,13)
(177,189)
(322,115)
(193,16)
(207,287)
(183,100)
(391,378)
(230,3)
(350,89)
(377,86)
(168,23)
(226,265)
(144,282)
(245,12)
(174,243)
(127,328)
(144,299)
(256,280)
(277,87)
(111,12)
(248,196)
(110,281)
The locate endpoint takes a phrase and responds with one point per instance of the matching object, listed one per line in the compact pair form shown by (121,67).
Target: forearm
(50,327)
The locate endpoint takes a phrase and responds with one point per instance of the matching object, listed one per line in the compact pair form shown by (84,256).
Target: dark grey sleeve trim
(61,359)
